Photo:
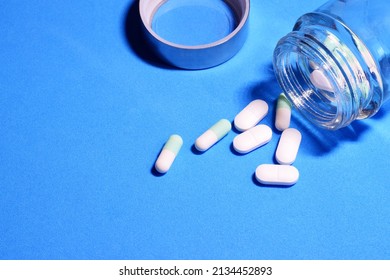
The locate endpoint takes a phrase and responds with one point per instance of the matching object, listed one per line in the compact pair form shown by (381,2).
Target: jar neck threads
(327,72)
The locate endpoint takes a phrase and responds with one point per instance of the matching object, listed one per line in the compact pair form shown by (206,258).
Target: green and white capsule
(168,153)
(283,113)
(213,135)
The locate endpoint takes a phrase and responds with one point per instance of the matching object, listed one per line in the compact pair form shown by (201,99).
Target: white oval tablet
(251,115)
(252,139)
(274,174)
(288,146)
(319,80)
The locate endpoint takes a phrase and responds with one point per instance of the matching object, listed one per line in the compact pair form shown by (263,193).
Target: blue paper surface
(85,109)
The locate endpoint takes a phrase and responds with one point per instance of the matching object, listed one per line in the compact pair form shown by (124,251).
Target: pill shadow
(155,173)
(234,152)
(324,141)
(195,151)
(258,184)
(234,129)
(134,34)
(267,89)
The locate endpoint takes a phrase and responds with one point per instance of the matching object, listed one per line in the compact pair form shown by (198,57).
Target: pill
(283,113)
(251,115)
(313,65)
(275,174)
(213,135)
(319,80)
(168,153)
(252,139)
(288,146)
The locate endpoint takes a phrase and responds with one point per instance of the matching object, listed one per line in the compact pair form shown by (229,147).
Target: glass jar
(334,66)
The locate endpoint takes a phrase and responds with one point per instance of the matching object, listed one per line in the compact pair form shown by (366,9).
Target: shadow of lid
(134,34)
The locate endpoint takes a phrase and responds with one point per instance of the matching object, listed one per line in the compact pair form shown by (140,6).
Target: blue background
(85,109)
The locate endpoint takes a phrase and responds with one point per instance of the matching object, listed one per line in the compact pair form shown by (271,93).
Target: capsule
(168,153)
(251,115)
(275,174)
(213,135)
(252,139)
(283,113)
(288,146)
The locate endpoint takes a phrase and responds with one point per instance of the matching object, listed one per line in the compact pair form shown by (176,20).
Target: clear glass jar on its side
(335,64)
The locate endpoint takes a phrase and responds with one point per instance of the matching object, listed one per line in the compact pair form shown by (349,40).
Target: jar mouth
(327,72)
(314,81)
